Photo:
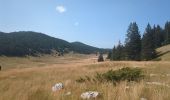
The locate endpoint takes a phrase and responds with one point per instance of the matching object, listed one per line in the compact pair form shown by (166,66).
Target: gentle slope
(164,53)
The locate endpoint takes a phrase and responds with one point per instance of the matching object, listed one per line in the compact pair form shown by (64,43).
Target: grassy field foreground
(34,82)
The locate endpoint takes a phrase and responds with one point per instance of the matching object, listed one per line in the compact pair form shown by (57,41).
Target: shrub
(124,74)
(129,74)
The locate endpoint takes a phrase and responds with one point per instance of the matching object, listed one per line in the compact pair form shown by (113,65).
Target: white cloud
(76,24)
(61,9)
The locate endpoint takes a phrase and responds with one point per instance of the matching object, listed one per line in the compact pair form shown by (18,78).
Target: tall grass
(35,83)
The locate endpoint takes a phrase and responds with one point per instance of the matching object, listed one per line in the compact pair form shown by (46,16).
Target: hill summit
(30,43)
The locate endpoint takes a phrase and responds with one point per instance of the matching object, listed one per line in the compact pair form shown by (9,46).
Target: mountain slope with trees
(78,46)
(32,43)
(141,48)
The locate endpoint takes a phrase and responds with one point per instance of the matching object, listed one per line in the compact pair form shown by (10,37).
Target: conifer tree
(148,44)
(113,57)
(119,52)
(158,36)
(100,58)
(167,33)
(133,42)
(109,55)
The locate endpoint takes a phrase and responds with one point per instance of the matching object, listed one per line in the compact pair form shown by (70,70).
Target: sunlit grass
(35,83)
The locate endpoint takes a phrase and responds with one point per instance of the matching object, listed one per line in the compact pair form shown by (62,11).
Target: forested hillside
(138,47)
(32,43)
(78,46)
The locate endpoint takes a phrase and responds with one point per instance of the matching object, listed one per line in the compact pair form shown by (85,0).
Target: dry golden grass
(34,82)
(165,51)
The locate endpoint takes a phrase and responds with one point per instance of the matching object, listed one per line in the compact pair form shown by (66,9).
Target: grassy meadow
(31,78)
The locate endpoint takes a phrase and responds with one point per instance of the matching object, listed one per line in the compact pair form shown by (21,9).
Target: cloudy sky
(100,23)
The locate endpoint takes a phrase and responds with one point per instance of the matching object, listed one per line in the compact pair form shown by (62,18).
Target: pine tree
(133,42)
(158,36)
(113,57)
(119,52)
(100,58)
(148,44)
(167,33)
(109,55)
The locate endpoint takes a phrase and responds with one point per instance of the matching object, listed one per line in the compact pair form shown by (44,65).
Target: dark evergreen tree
(158,36)
(167,33)
(133,42)
(113,57)
(100,58)
(119,52)
(148,44)
(109,55)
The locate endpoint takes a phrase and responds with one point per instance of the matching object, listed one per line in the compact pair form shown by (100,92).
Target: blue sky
(100,23)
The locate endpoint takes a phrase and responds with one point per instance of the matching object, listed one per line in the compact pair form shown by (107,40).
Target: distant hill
(78,46)
(164,53)
(30,43)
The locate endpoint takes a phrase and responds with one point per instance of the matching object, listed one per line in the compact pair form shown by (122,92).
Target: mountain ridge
(29,43)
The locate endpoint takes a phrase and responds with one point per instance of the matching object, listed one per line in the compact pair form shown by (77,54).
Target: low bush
(128,74)
(124,74)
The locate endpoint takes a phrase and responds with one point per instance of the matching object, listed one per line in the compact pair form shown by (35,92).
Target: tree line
(137,47)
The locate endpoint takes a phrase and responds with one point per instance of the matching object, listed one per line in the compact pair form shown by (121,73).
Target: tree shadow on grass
(159,54)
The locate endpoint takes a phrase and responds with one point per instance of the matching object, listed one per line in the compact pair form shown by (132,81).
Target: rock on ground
(89,95)
(143,99)
(57,86)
